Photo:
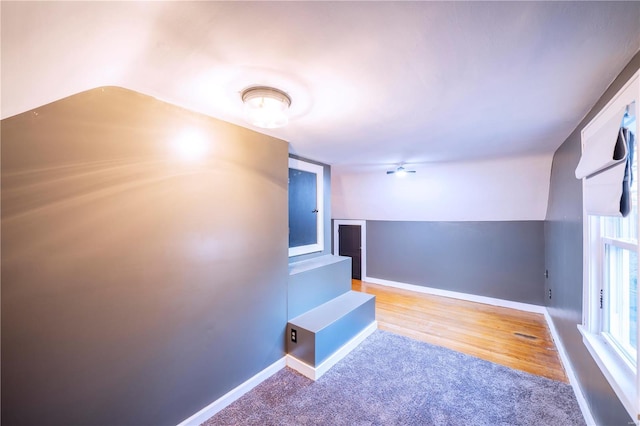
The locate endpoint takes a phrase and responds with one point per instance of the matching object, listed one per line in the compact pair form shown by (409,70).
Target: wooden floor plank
(513,338)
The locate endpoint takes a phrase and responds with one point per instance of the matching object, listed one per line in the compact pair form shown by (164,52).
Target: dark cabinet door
(350,245)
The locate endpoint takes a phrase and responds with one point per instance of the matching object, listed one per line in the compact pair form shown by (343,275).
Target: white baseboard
(571,375)
(314,373)
(462,296)
(218,405)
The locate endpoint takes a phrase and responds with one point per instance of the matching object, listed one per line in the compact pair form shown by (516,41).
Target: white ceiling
(371,82)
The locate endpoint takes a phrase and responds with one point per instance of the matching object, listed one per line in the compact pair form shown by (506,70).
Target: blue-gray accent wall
(563,254)
(137,286)
(503,260)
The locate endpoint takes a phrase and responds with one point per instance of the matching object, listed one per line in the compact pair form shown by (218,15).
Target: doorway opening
(350,239)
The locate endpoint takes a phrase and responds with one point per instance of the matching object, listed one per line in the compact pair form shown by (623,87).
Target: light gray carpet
(394,380)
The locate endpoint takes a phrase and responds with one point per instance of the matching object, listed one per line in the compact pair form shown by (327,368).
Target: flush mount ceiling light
(266,107)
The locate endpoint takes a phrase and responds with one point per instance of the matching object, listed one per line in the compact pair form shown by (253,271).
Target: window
(615,259)
(610,307)
(305,207)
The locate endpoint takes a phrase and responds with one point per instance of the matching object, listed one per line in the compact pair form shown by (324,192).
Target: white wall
(492,190)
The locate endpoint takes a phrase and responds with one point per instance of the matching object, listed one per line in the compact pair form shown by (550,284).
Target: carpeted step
(316,281)
(323,330)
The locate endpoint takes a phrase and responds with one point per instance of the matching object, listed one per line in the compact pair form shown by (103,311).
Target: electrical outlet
(294,335)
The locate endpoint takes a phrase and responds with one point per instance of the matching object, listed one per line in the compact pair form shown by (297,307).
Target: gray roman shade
(605,166)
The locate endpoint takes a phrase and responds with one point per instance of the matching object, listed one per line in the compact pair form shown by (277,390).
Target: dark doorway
(350,244)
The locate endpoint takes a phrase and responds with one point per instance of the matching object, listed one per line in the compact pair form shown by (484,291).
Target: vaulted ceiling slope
(371,82)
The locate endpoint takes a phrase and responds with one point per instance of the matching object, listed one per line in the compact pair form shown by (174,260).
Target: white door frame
(363,241)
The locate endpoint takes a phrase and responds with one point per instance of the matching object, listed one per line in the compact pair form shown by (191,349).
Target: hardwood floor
(516,339)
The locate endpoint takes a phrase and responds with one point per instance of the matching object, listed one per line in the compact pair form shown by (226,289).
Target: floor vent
(526,336)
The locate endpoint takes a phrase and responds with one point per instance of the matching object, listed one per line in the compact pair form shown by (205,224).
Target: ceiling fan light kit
(266,107)
(400,171)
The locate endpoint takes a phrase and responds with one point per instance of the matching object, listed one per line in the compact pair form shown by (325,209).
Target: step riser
(312,288)
(343,330)
(314,348)
(314,373)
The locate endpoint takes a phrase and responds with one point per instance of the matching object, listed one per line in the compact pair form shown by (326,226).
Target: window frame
(621,374)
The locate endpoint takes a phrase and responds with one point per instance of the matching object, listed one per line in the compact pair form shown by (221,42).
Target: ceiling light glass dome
(266,107)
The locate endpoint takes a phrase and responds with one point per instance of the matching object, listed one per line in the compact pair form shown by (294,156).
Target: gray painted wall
(504,260)
(326,214)
(563,252)
(136,288)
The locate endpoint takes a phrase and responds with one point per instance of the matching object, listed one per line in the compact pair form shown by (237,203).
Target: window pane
(633,313)
(620,307)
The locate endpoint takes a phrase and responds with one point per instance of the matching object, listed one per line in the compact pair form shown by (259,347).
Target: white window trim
(319,172)
(363,241)
(619,373)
